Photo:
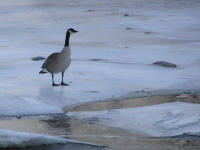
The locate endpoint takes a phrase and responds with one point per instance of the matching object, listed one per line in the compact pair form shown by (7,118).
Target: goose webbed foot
(64,84)
(55,84)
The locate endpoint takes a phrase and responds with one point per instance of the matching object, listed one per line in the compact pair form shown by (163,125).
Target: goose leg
(62,83)
(53,84)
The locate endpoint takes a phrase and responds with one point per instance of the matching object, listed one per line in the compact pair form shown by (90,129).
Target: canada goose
(59,62)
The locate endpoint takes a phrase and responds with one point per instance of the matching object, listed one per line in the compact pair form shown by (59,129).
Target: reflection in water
(55,96)
(59,124)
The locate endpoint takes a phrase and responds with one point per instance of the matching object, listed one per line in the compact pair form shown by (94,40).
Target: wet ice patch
(38,58)
(164,64)
(168,119)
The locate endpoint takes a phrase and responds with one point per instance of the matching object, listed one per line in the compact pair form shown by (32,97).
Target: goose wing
(50,59)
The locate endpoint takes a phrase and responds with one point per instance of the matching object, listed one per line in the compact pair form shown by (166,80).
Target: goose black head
(71,31)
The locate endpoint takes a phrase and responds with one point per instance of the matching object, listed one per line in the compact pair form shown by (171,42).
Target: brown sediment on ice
(135,102)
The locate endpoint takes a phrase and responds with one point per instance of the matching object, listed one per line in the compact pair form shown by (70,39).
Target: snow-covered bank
(108,61)
(9,138)
(158,120)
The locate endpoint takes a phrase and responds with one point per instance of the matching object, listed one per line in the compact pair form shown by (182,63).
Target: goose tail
(42,72)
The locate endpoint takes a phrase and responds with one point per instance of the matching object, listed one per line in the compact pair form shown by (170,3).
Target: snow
(12,106)
(168,119)
(37,28)
(9,138)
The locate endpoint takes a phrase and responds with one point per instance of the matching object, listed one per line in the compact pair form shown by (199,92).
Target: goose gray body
(59,62)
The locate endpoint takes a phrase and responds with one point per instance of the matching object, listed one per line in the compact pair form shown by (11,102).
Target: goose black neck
(67,38)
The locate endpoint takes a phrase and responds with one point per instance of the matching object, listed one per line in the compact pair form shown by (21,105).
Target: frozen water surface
(108,60)
(112,56)
(168,119)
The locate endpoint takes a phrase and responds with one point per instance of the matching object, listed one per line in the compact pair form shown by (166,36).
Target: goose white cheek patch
(71,32)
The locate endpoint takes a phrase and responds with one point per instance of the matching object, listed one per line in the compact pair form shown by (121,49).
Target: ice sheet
(9,138)
(108,61)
